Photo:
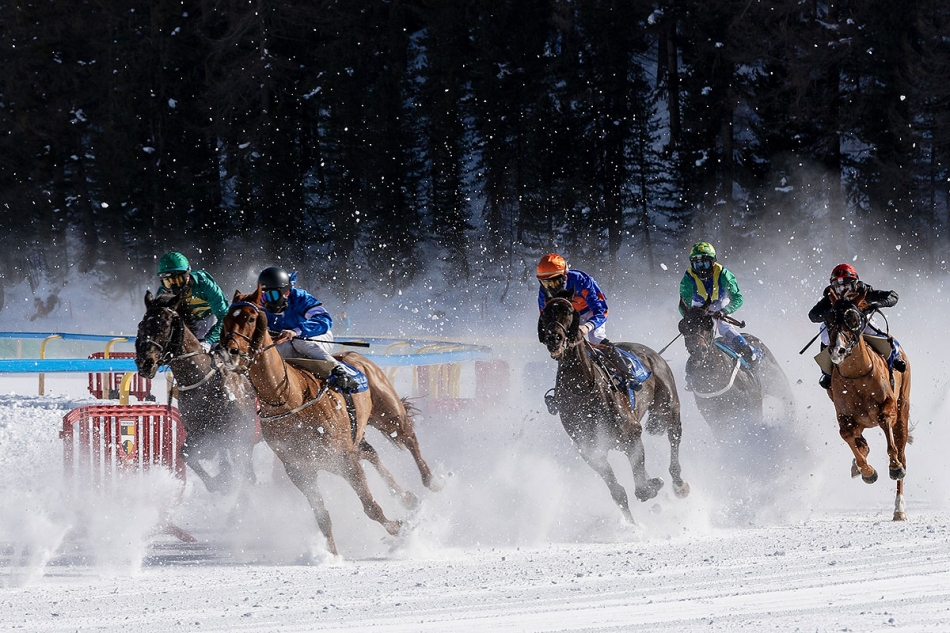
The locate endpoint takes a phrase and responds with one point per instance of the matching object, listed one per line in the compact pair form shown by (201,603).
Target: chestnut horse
(867,394)
(729,396)
(306,423)
(599,417)
(217,406)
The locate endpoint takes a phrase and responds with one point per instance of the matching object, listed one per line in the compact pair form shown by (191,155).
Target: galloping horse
(599,417)
(728,396)
(306,423)
(217,406)
(867,394)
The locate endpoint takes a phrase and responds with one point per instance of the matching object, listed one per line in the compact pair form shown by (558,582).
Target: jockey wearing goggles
(206,299)
(301,324)
(710,285)
(844,283)
(558,280)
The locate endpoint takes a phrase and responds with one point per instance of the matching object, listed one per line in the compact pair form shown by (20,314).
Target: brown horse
(867,394)
(306,423)
(599,417)
(217,405)
(728,395)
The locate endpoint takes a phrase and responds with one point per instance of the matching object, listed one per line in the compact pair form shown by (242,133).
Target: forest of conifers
(375,138)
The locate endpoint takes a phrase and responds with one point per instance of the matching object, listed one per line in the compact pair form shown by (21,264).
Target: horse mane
(179,304)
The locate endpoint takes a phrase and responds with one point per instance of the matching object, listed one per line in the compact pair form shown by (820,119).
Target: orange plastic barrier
(106,386)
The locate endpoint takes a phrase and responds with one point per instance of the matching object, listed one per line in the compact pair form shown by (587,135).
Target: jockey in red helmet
(844,282)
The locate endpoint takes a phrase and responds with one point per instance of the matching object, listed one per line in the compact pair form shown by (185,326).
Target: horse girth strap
(732,380)
(203,380)
(306,404)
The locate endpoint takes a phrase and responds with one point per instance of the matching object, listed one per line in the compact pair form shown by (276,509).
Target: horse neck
(577,360)
(268,372)
(192,368)
(858,363)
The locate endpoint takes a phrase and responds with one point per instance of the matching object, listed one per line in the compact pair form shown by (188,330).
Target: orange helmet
(551,265)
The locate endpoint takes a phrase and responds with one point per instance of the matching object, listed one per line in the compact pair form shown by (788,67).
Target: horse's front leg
(596,458)
(307,484)
(406,498)
(350,469)
(851,432)
(646,488)
(887,419)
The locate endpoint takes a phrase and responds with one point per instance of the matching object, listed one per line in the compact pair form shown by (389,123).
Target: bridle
(851,320)
(171,350)
(251,357)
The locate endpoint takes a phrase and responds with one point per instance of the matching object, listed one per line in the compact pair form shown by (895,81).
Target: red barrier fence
(106,386)
(103,443)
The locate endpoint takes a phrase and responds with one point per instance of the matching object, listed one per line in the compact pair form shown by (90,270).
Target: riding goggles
(175,279)
(272,296)
(554,283)
(842,286)
(701,264)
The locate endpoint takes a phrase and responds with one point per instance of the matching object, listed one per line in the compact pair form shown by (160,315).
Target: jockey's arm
(884,298)
(728,282)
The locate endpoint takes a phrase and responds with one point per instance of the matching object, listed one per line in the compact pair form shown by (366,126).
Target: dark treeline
(374,139)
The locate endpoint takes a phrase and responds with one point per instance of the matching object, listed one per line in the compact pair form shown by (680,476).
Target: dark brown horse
(728,394)
(306,423)
(866,394)
(599,417)
(217,406)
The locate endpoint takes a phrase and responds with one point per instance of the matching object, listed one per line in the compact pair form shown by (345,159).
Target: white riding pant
(317,348)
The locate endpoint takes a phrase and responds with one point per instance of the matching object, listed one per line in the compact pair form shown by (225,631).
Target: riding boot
(897,363)
(342,381)
(825,381)
(746,350)
(620,364)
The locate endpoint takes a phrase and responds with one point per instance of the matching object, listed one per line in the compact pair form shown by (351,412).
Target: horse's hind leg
(308,486)
(351,470)
(669,416)
(600,465)
(391,418)
(406,498)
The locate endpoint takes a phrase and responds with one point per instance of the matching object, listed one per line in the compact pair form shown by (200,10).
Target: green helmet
(702,249)
(172,262)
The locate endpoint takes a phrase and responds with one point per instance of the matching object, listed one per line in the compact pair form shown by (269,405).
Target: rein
(175,342)
(853,343)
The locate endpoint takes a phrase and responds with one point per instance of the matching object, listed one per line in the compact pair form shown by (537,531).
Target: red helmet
(551,265)
(843,271)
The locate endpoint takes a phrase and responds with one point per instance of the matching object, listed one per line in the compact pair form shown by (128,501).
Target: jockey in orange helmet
(844,282)
(559,280)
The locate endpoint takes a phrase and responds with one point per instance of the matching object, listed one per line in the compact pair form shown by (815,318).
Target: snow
(775,535)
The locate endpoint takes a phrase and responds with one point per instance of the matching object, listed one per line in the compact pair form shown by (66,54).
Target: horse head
(161,332)
(844,323)
(558,326)
(698,330)
(245,327)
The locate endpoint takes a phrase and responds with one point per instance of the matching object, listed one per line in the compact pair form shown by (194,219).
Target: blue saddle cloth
(357,375)
(639,372)
(729,348)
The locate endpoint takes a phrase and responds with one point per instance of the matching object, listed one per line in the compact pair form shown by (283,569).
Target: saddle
(887,347)
(321,369)
(635,368)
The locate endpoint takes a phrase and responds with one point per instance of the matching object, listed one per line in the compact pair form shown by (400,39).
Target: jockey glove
(585,329)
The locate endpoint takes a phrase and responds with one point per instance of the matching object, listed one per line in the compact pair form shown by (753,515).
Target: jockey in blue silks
(558,280)
(302,323)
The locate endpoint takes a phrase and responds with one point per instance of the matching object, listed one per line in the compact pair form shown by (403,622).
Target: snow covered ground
(775,535)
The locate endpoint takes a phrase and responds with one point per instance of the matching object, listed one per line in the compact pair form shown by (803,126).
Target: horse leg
(408,499)
(888,420)
(646,488)
(680,487)
(600,465)
(351,470)
(189,454)
(851,432)
(308,486)
(398,428)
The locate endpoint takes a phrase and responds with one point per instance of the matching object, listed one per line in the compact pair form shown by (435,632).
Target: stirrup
(899,365)
(549,402)
(342,381)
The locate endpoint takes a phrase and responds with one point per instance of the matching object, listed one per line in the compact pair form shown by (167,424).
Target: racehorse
(728,395)
(599,417)
(307,424)
(867,394)
(217,406)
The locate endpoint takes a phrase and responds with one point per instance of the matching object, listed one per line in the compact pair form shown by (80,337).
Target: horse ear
(540,329)
(575,322)
(255,297)
(149,297)
(237,296)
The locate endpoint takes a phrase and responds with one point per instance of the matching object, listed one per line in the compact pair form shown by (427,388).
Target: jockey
(558,280)
(708,284)
(207,301)
(302,323)
(844,282)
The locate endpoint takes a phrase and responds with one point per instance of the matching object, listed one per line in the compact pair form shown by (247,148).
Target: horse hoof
(435,483)
(900,516)
(897,473)
(681,490)
(649,491)
(855,471)
(410,501)
(871,479)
